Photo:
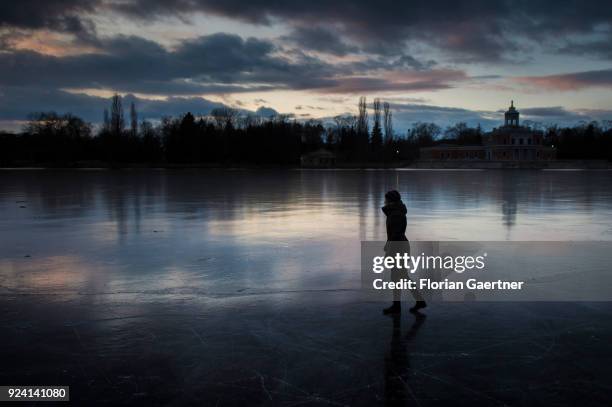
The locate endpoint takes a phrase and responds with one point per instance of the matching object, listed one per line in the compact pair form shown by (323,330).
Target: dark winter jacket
(396,221)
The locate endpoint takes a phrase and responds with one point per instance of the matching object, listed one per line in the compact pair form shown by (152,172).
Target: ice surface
(239,287)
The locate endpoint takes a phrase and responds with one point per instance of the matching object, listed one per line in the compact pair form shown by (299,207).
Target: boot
(396,308)
(419,305)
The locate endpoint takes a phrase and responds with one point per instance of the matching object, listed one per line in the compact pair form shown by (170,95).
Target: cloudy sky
(441,61)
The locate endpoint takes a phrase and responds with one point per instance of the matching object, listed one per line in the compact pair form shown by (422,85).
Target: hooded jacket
(396,221)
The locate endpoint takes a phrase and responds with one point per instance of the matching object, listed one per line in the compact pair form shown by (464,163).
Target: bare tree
(249,120)
(51,124)
(117,121)
(376,129)
(362,119)
(106,122)
(133,120)
(388,122)
(424,133)
(345,121)
(224,117)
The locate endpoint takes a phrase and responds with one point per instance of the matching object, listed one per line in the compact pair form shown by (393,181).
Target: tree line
(229,137)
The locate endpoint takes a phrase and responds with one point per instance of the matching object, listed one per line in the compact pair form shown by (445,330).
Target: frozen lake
(222,232)
(231,286)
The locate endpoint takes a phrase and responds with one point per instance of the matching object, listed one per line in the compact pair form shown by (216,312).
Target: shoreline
(559,165)
(503,165)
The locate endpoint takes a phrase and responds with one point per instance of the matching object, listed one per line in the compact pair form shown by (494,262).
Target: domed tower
(512,116)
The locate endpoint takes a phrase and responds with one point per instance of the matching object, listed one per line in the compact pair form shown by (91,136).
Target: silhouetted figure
(395,210)
(397,362)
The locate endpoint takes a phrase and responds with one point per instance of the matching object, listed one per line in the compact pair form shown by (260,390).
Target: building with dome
(510,142)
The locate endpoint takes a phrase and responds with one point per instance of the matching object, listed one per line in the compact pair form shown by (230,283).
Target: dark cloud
(603,115)
(392,63)
(19,102)
(320,39)
(562,116)
(471,30)
(218,63)
(56,15)
(600,47)
(553,111)
(398,81)
(570,81)
(406,114)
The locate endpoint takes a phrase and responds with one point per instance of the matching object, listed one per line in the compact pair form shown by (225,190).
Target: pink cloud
(398,81)
(570,81)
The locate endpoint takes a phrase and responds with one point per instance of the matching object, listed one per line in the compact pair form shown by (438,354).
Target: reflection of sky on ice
(220,233)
